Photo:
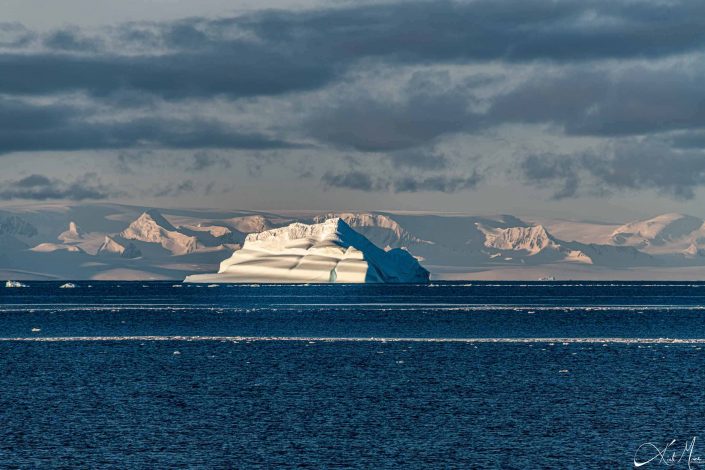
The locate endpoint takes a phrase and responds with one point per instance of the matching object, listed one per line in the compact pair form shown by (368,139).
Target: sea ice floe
(15,284)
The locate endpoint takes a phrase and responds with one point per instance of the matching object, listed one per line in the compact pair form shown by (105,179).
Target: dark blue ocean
(446,375)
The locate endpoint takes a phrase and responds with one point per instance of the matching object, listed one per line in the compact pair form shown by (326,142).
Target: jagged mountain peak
(152,227)
(657,230)
(73,234)
(152,216)
(532,239)
(453,245)
(250,223)
(112,247)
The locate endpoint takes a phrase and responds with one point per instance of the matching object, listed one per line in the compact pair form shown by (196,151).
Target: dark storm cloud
(203,161)
(632,165)
(549,168)
(72,40)
(512,30)
(244,72)
(438,183)
(634,100)
(363,181)
(273,52)
(354,179)
(143,132)
(595,100)
(636,166)
(428,108)
(369,125)
(29,127)
(422,159)
(688,140)
(133,161)
(580,100)
(17,116)
(611,69)
(128,161)
(176,189)
(41,188)
(14,35)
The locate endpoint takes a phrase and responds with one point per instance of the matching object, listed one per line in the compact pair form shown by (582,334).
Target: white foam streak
(565,341)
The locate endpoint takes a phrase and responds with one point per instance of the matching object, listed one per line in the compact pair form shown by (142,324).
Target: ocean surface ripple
(469,375)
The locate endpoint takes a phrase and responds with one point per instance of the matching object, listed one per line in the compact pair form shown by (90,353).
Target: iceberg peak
(328,251)
(333,227)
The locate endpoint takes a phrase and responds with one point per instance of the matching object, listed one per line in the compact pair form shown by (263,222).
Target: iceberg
(15,284)
(326,252)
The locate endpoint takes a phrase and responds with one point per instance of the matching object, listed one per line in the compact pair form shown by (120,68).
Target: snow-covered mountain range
(113,241)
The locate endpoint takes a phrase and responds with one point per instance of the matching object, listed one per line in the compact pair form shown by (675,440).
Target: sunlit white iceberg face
(329,251)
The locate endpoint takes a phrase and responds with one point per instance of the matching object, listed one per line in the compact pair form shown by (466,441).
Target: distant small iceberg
(15,284)
(68,285)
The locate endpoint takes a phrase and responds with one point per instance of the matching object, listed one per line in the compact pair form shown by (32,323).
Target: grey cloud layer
(632,165)
(633,100)
(425,112)
(42,188)
(614,70)
(364,181)
(278,51)
(31,127)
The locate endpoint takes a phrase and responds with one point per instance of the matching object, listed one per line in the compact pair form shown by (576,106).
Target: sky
(582,109)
